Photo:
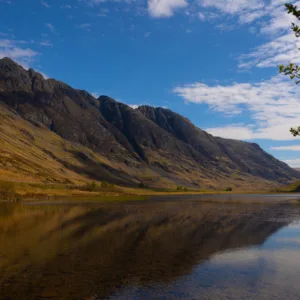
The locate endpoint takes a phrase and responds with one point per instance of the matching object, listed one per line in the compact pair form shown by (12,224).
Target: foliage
(92,187)
(295,131)
(228,189)
(293,70)
(181,188)
(142,185)
(106,185)
(292,9)
(7,191)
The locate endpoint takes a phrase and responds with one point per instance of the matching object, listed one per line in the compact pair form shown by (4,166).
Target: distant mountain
(107,140)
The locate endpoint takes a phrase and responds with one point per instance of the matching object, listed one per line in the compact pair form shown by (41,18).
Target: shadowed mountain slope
(127,146)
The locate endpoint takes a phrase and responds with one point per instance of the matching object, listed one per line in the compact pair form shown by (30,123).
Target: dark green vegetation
(293,70)
(52,133)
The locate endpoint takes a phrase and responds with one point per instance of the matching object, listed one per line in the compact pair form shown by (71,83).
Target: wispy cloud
(233,7)
(234,131)
(274,106)
(67,6)
(46,44)
(102,12)
(282,46)
(294,163)
(44,3)
(287,148)
(280,50)
(51,27)
(97,2)
(13,49)
(84,26)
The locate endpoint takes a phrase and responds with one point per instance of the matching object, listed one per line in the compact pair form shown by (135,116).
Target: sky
(212,61)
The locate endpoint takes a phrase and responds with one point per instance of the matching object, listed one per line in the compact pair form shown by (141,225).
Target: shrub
(106,185)
(228,189)
(142,185)
(92,186)
(182,188)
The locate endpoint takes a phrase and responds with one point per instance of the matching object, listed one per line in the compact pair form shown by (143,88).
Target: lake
(191,247)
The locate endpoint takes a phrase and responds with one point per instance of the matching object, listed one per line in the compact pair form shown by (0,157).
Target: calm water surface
(171,249)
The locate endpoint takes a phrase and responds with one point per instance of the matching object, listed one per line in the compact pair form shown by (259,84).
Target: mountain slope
(108,140)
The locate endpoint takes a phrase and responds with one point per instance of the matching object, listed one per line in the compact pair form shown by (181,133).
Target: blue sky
(214,62)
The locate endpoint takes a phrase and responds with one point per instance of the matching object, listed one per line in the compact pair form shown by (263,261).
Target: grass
(291,188)
(96,191)
(16,191)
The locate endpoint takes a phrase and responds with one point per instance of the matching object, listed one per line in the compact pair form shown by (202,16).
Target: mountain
(53,132)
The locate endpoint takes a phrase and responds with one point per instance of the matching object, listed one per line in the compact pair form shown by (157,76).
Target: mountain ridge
(153,146)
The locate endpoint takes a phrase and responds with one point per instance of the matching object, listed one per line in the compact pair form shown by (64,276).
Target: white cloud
(283,47)
(44,74)
(51,27)
(95,94)
(67,6)
(46,44)
(45,4)
(237,131)
(201,16)
(287,148)
(84,26)
(294,163)
(281,50)
(97,2)
(250,132)
(103,12)
(12,49)
(235,6)
(274,106)
(134,106)
(226,27)
(249,11)
(165,8)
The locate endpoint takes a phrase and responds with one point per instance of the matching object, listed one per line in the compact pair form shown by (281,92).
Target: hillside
(51,132)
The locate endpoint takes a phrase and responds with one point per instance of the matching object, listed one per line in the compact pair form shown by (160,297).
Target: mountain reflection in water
(110,250)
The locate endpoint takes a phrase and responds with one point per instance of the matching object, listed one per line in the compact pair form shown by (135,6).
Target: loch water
(181,248)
